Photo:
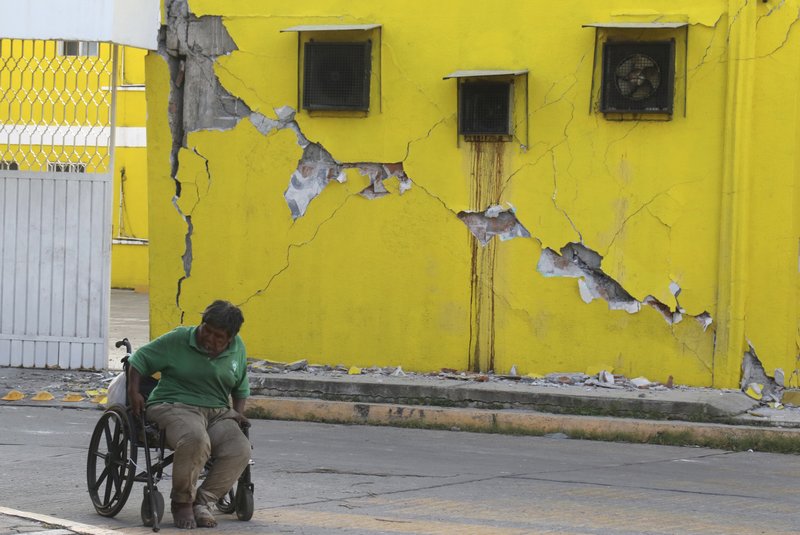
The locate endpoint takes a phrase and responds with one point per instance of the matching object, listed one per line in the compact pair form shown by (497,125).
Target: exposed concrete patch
(314,172)
(494,221)
(197,101)
(378,174)
(579,262)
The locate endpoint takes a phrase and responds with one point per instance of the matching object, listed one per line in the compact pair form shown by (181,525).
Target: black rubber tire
(145,511)
(227,504)
(113,452)
(244,503)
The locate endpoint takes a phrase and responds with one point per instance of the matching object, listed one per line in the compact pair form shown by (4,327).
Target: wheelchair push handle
(126,343)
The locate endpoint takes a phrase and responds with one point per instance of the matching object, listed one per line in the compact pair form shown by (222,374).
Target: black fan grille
(336,76)
(638,77)
(484,108)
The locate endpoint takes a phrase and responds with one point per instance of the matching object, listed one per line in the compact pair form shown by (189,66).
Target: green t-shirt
(187,374)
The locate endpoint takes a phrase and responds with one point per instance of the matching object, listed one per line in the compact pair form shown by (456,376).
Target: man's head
(221,322)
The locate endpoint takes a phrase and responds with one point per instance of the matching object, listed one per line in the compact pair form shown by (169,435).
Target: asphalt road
(321,479)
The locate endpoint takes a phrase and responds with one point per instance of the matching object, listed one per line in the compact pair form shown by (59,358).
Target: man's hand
(238,406)
(242,420)
(137,404)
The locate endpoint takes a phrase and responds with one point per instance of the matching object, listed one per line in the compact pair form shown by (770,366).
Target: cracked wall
(363,240)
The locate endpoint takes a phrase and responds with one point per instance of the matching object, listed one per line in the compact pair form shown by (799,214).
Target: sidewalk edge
(77,527)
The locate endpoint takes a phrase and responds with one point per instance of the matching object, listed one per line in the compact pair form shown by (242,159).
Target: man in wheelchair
(202,369)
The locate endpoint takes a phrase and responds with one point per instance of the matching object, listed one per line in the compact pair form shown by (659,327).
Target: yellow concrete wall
(706,200)
(129,252)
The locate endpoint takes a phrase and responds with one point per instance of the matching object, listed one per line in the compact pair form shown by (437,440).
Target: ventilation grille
(638,77)
(484,108)
(336,76)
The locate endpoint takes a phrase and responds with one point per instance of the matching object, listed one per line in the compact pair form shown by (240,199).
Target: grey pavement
(572,404)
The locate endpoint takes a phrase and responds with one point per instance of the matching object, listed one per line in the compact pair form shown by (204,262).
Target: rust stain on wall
(486,173)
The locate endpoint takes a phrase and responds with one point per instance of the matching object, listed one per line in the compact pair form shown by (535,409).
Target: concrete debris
(754,390)
(755,381)
(780,377)
(513,371)
(398,372)
(566,378)
(606,377)
(640,382)
(297,365)
(494,221)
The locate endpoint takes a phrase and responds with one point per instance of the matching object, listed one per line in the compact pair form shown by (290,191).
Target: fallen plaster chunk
(755,381)
(494,221)
(640,382)
(780,377)
(606,377)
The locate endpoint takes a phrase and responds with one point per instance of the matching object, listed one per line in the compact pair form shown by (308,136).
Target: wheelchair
(114,449)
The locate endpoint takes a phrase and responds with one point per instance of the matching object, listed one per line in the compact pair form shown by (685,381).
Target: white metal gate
(56,164)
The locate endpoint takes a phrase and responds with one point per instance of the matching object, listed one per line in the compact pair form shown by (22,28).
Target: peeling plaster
(378,174)
(314,171)
(317,167)
(494,221)
(579,262)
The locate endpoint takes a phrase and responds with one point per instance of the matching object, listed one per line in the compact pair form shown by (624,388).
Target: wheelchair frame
(113,448)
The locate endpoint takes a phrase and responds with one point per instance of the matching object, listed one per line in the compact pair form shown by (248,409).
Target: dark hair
(224,315)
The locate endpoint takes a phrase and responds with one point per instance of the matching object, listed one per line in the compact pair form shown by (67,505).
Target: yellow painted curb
(500,421)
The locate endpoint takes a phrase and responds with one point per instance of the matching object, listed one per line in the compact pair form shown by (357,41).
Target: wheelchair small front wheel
(148,519)
(244,502)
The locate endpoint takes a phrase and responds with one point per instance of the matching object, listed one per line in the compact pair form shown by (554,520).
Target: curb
(83,529)
(665,405)
(527,423)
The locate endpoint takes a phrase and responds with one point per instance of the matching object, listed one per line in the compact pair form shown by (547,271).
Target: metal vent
(638,77)
(336,76)
(484,108)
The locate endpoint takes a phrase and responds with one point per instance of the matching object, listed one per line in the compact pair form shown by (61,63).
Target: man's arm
(135,398)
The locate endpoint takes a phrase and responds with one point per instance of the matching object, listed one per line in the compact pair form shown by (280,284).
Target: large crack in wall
(197,101)
(578,261)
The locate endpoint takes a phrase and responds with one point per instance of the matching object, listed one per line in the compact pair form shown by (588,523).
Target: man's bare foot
(203,516)
(183,515)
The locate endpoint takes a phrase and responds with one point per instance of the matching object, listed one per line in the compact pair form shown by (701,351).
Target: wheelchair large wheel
(111,465)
